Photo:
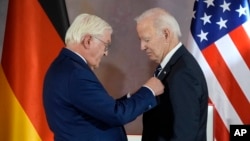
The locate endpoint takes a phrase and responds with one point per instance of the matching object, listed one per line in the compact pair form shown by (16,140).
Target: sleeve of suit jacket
(90,97)
(185,89)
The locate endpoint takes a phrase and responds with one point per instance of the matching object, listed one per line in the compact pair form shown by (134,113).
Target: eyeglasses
(107,45)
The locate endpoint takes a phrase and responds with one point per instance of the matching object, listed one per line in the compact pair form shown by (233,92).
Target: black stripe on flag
(57,12)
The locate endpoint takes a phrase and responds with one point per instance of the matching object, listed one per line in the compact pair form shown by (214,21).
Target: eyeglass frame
(107,45)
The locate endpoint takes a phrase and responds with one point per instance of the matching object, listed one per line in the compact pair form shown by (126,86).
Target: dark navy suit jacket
(78,108)
(182,112)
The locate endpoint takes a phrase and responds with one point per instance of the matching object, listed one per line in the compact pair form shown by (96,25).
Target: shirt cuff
(149,89)
(128,95)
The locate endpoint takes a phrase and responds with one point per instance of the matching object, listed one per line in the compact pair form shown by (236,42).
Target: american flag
(220,41)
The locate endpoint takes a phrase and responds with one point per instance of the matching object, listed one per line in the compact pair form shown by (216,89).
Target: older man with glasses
(77,106)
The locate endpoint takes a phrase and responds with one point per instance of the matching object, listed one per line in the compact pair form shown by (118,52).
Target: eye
(146,40)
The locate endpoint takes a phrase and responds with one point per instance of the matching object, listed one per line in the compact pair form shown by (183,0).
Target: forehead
(107,35)
(145,28)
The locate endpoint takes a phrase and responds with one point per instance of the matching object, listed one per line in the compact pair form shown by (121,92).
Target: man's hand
(156,85)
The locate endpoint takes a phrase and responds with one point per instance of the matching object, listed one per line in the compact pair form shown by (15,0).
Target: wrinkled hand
(156,85)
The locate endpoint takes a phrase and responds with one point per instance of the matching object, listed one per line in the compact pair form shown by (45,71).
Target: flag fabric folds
(31,42)
(220,41)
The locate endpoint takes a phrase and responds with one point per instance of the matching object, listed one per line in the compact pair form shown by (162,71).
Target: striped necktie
(157,70)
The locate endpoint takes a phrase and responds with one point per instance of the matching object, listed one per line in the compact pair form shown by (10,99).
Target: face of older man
(152,42)
(99,48)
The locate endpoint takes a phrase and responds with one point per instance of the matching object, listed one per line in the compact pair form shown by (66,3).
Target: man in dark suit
(77,106)
(182,112)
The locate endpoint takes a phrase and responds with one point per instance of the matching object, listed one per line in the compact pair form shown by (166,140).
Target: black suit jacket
(182,112)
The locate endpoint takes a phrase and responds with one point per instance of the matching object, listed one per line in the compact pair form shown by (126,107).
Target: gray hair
(86,24)
(161,19)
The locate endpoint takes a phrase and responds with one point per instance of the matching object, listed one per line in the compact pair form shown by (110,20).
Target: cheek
(99,55)
(95,57)
(156,50)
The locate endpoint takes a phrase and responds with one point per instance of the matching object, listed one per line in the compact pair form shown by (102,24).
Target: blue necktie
(157,70)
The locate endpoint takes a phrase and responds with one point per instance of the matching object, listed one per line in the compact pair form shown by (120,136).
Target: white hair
(161,20)
(86,24)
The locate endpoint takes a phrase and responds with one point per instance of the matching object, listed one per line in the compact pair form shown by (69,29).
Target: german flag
(33,38)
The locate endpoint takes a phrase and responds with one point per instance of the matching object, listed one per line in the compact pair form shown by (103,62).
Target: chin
(96,66)
(152,58)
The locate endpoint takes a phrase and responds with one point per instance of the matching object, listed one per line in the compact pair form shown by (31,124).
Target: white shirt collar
(81,57)
(170,54)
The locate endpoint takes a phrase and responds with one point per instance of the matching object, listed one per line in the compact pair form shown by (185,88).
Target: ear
(166,33)
(86,41)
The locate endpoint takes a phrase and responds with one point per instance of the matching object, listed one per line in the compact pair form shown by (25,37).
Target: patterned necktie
(158,69)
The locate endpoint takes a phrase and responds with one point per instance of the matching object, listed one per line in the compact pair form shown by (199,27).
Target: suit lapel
(171,62)
(164,72)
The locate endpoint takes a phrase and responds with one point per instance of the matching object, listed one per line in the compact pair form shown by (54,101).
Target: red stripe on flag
(242,42)
(30,44)
(221,132)
(224,76)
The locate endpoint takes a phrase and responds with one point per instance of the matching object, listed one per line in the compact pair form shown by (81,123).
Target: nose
(143,46)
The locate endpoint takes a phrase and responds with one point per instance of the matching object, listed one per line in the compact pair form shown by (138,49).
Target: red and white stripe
(226,66)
